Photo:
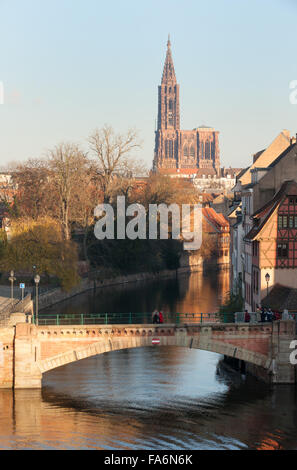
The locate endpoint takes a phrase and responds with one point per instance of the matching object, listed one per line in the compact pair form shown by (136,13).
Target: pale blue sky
(69,66)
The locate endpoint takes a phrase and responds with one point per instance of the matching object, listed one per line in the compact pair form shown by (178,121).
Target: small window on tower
(207,150)
(202,150)
(170,149)
(192,152)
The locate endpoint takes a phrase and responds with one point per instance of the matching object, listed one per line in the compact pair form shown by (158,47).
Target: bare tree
(68,166)
(31,182)
(113,152)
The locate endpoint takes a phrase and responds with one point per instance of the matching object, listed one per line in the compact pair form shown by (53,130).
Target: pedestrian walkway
(5,291)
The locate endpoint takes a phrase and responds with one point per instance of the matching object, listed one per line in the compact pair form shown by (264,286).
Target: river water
(150,398)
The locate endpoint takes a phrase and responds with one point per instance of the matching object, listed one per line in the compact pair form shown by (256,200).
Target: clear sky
(69,66)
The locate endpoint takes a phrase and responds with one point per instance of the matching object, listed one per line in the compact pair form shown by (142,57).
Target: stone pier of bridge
(28,351)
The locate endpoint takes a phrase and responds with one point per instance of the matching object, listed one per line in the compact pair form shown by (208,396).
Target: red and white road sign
(155,341)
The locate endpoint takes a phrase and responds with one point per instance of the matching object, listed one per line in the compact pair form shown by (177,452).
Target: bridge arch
(139,340)
(34,350)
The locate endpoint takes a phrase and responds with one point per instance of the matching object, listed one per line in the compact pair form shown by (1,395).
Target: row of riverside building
(263,226)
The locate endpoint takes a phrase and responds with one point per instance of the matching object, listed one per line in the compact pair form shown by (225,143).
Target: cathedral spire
(168,72)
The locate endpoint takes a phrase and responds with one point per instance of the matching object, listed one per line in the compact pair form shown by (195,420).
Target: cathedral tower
(168,109)
(178,151)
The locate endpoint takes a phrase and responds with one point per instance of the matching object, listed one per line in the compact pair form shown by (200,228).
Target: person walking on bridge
(155,317)
(161,318)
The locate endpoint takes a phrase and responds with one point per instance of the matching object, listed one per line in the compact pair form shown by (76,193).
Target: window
(213,151)
(192,152)
(207,150)
(280,221)
(285,221)
(257,282)
(282,250)
(169,148)
(291,221)
(170,119)
(186,151)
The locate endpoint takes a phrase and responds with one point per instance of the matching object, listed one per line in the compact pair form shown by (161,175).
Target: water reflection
(195,293)
(150,398)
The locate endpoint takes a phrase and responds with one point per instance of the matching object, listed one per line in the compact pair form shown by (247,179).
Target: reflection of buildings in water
(202,293)
(223,285)
(188,293)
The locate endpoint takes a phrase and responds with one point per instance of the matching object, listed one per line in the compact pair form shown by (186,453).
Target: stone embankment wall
(57,295)
(189,262)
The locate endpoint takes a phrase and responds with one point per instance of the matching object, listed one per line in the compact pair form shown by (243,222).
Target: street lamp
(267,278)
(37,281)
(12,279)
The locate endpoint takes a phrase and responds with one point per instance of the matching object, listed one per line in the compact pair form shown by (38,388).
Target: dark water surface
(150,398)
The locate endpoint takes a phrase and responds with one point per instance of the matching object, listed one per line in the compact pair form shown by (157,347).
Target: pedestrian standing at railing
(156,318)
(265,317)
(258,312)
(286,315)
(161,318)
(277,316)
(247,317)
(269,315)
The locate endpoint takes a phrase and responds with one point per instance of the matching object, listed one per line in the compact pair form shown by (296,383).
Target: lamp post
(37,281)
(12,279)
(267,278)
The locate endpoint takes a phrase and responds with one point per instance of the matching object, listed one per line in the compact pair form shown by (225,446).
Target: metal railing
(124,318)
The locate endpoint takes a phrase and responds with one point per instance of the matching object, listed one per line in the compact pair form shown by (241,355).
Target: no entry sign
(155,341)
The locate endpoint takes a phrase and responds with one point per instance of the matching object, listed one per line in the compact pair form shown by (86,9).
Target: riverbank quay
(57,295)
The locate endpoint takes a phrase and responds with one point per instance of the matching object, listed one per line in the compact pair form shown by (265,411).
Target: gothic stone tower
(178,151)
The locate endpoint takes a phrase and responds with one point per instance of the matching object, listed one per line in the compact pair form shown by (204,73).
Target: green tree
(41,243)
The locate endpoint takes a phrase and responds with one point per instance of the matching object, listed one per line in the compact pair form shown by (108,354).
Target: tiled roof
(268,208)
(217,220)
(206,197)
(175,171)
(282,155)
(230,171)
(257,155)
(188,171)
(281,297)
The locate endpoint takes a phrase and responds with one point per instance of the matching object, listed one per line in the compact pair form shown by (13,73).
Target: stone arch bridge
(28,351)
